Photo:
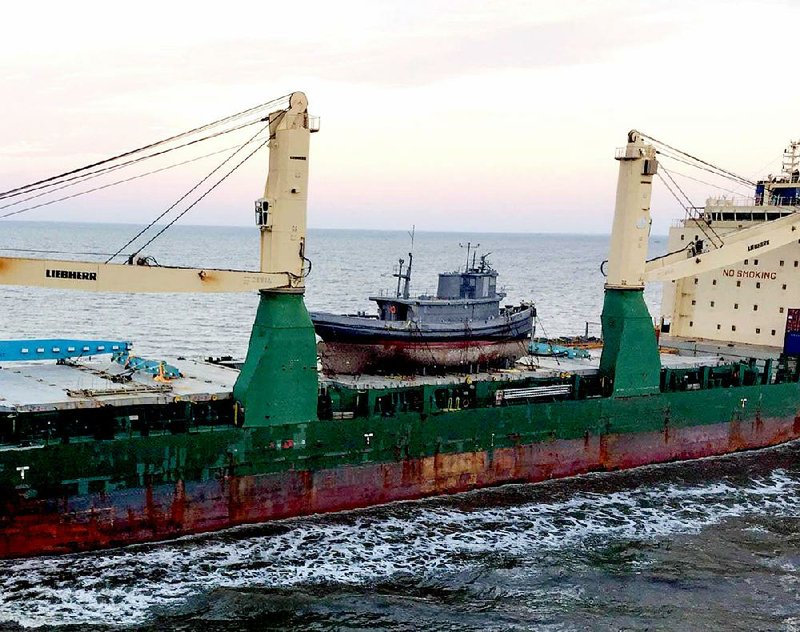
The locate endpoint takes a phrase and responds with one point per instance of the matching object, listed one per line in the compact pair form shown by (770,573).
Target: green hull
(90,493)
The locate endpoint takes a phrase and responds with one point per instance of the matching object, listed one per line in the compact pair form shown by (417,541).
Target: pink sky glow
(479,116)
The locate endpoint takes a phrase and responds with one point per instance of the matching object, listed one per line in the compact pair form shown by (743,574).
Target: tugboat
(462,326)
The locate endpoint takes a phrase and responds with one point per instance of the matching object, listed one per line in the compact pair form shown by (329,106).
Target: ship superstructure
(748,300)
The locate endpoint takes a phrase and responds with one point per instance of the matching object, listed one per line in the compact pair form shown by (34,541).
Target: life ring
(392,309)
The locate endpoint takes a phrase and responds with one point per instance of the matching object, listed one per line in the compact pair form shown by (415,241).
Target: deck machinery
(130,459)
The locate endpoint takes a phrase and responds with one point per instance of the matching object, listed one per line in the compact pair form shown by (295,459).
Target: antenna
(468,246)
(399,276)
(405,278)
(407,285)
(791,159)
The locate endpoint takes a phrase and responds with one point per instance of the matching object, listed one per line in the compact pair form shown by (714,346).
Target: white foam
(423,539)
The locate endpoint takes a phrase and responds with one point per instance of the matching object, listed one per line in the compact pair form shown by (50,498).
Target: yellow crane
(280,216)
(737,247)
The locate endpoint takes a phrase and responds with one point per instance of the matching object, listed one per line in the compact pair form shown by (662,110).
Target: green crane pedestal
(630,351)
(278,382)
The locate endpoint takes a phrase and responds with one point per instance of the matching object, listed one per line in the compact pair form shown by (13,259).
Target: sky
(470,116)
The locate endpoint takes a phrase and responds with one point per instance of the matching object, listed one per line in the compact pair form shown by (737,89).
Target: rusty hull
(166,511)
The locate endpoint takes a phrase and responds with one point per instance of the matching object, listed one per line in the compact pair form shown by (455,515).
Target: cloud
(420,48)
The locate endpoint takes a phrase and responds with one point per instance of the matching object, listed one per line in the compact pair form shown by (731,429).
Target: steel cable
(189,192)
(207,126)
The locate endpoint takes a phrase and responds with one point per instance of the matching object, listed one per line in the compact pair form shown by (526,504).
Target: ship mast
(475,248)
(791,160)
(405,278)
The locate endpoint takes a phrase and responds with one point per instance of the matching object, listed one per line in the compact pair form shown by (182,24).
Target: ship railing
(736,200)
(757,201)
(533,392)
(384,293)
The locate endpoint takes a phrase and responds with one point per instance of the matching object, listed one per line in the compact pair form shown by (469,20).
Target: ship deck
(47,386)
(532,366)
(725,350)
(30,387)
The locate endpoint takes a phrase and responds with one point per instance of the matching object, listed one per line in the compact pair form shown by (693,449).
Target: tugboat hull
(399,356)
(364,330)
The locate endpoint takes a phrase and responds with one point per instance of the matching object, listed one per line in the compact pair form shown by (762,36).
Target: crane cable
(702,168)
(188,193)
(709,184)
(207,126)
(198,200)
(694,215)
(105,186)
(105,170)
(686,209)
(721,171)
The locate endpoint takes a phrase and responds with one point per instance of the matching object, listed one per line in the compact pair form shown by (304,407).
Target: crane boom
(280,217)
(738,246)
(116,277)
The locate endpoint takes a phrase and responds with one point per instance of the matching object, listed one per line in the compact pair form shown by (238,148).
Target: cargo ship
(148,453)
(461,327)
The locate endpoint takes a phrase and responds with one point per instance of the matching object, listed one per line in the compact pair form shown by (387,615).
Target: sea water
(712,544)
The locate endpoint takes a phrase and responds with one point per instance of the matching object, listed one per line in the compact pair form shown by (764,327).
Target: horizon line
(384,230)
